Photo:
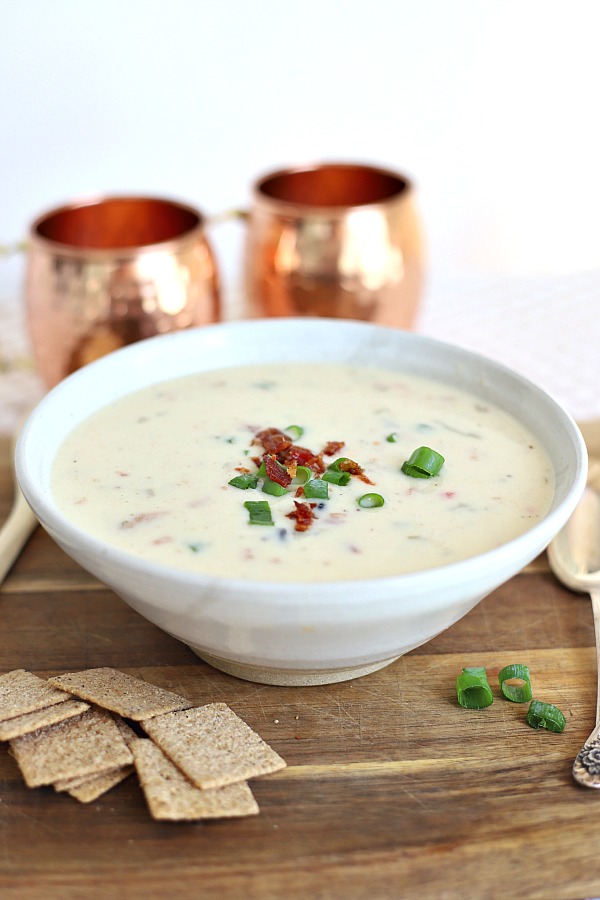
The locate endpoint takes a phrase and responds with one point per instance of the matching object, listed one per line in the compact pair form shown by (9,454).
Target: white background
(491,106)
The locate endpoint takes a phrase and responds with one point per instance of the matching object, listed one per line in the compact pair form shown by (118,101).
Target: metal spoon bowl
(574,557)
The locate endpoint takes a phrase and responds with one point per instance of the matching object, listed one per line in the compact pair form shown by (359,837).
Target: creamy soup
(151,473)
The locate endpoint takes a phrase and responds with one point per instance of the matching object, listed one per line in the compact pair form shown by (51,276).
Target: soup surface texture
(150,473)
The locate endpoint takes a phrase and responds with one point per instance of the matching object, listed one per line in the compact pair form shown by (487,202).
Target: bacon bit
(333,447)
(273,440)
(275,472)
(163,540)
(303,515)
(242,469)
(278,444)
(141,517)
(353,468)
(300,491)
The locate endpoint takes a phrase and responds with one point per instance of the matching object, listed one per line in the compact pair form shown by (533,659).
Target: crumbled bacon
(348,465)
(273,440)
(303,514)
(332,447)
(279,447)
(275,472)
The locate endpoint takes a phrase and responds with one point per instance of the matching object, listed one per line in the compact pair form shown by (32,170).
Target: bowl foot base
(288,677)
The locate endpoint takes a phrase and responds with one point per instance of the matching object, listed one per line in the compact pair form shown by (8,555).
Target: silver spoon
(574,557)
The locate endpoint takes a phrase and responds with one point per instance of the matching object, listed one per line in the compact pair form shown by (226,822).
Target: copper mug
(339,240)
(105,272)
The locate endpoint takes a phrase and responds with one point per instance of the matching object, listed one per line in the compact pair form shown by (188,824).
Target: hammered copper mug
(105,272)
(340,240)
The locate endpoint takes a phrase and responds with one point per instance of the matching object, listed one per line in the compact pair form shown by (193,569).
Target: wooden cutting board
(392,790)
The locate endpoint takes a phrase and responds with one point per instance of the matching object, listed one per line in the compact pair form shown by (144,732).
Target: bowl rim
(461,571)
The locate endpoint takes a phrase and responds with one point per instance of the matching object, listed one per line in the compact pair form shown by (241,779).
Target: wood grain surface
(392,790)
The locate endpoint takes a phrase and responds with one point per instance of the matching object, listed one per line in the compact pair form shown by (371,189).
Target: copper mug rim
(72,229)
(331,186)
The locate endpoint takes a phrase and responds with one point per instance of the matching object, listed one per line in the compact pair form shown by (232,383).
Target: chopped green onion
(303,474)
(316,489)
(244,481)
(519,692)
(478,671)
(423,463)
(262,471)
(545,715)
(197,547)
(335,477)
(273,488)
(392,438)
(473,689)
(294,431)
(260,512)
(368,501)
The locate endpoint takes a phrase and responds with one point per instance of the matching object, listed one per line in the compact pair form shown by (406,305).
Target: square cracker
(85,745)
(212,745)
(171,796)
(39,718)
(88,789)
(23,692)
(121,693)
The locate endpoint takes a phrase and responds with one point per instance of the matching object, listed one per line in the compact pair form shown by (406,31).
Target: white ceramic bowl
(286,633)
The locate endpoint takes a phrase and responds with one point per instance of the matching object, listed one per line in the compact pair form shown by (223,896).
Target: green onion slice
(478,671)
(545,715)
(423,463)
(303,474)
(262,471)
(392,438)
(369,501)
(294,432)
(515,683)
(335,477)
(244,481)
(273,488)
(260,512)
(473,689)
(316,489)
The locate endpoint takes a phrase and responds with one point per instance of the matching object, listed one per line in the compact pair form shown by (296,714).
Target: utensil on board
(574,557)
(18,527)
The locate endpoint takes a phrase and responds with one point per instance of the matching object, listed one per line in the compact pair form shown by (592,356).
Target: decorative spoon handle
(586,768)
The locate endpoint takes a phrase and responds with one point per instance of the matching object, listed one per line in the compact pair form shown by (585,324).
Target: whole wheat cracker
(23,692)
(119,692)
(32,721)
(96,785)
(171,796)
(212,745)
(87,744)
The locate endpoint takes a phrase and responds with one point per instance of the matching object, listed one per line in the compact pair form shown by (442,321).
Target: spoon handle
(595,598)
(15,532)
(586,768)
